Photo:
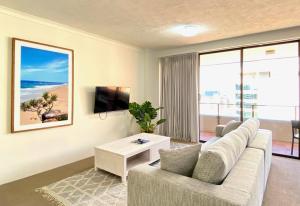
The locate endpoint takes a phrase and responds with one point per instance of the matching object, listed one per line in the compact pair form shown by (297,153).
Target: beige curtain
(179,96)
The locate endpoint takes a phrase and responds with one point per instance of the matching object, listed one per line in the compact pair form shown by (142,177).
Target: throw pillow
(180,161)
(230,126)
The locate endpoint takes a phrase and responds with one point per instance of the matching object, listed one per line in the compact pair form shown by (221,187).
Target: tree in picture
(145,114)
(43,107)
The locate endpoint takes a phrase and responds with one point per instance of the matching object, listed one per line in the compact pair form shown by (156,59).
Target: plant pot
(148,131)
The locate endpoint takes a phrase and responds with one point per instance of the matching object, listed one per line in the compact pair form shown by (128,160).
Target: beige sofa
(243,186)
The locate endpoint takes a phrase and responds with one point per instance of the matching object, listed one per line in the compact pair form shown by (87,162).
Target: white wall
(97,62)
(151,77)
(152,70)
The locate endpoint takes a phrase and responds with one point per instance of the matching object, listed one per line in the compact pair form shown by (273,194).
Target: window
(219,78)
(274,81)
(261,82)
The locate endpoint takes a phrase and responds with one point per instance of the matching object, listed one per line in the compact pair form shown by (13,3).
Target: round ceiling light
(188,30)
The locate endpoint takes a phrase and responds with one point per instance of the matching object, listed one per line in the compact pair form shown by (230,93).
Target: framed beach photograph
(42,86)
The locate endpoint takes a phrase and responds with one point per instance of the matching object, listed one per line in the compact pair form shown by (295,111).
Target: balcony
(276,118)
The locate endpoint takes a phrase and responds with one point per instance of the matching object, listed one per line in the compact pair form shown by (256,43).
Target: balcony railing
(261,111)
(276,118)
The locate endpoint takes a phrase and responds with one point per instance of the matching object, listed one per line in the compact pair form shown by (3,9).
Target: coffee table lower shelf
(141,158)
(120,165)
(120,156)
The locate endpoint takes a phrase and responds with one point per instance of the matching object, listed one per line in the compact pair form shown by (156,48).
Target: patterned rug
(90,188)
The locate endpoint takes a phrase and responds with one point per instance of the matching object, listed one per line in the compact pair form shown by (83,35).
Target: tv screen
(111,99)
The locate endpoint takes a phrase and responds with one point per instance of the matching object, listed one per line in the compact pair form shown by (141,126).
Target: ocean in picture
(35,89)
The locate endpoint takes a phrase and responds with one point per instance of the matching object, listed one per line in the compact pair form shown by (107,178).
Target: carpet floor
(283,184)
(88,188)
(91,188)
(22,192)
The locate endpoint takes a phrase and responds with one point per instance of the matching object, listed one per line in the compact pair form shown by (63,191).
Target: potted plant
(144,114)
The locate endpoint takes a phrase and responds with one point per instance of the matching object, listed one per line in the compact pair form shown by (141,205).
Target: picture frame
(42,89)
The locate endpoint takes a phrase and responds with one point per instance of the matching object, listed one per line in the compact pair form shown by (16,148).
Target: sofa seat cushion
(180,161)
(248,175)
(263,141)
(217,160)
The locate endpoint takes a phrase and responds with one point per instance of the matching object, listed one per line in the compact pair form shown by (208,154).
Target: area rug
(90,188)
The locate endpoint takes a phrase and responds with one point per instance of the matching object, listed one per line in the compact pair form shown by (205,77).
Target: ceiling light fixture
(270,51)
(188,30)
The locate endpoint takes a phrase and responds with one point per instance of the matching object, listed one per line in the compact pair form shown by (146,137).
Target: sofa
(244,185)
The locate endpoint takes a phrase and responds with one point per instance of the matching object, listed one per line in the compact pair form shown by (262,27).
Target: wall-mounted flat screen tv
(109,99)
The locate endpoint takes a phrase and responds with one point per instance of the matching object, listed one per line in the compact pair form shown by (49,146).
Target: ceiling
(146,23)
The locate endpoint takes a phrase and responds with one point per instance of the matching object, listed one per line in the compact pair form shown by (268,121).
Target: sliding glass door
(219,90)
(261,82)
(270,74)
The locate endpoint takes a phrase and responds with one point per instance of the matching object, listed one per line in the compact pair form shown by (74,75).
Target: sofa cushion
(217,160)
(248,175)
(180,161)
(263,141)
(219,130)
(230,126)
(151,186)
(249,128)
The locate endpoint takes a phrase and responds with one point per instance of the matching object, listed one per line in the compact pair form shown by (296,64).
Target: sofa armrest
(219,129)
(148,186)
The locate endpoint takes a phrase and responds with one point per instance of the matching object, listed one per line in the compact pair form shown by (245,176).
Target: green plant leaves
(144,114)
(160,121)
(147,117)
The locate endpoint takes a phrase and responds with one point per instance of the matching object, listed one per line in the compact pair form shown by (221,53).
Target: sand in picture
(60,106)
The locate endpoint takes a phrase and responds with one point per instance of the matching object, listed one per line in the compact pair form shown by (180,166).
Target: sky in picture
(43,65)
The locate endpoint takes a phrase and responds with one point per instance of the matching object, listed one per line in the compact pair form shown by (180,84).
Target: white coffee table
(119,156)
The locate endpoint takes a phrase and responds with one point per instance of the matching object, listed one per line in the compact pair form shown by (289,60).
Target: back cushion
(217,160)
(230,126)
(249,128)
